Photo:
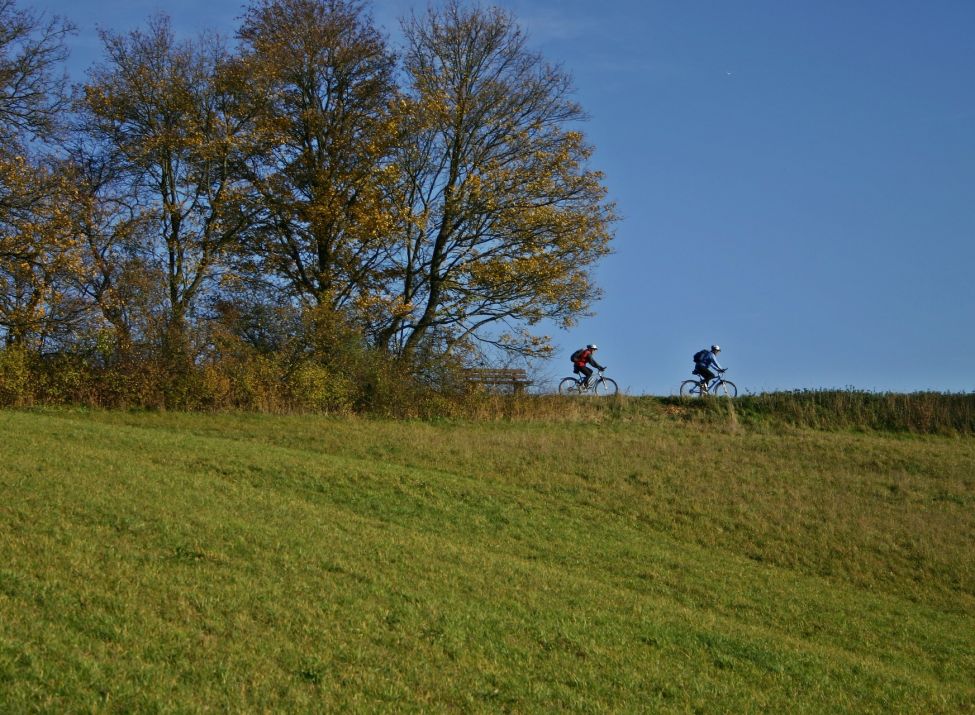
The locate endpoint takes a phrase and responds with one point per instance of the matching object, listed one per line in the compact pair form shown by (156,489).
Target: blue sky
(796,180)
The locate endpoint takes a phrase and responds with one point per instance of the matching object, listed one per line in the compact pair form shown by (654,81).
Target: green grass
(631,561)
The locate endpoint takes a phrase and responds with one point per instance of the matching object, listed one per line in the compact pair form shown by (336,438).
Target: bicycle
(719,387)
(599,386)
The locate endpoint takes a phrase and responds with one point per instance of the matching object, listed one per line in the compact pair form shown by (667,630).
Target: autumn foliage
(306,216)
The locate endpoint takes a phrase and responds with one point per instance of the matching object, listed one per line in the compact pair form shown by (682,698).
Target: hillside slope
(183,562)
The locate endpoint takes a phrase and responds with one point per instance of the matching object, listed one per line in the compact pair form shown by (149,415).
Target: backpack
(699,355)
(577,355)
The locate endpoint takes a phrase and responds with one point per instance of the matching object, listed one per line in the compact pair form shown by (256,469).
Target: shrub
(15,377)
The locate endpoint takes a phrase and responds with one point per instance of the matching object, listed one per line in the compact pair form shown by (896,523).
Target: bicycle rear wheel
(725,388)
(606,387)
(690,388)
(569,386)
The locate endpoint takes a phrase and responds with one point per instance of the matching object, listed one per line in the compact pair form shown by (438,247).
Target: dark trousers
(705,374)
(583,370)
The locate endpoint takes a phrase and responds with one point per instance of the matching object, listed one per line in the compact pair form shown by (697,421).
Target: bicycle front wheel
(569,386)
(724,388)
(606,387)
(690,388)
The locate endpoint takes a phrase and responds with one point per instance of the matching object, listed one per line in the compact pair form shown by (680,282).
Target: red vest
(584,358)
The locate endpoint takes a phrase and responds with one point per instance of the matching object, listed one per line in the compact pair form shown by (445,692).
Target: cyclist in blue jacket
(704,360)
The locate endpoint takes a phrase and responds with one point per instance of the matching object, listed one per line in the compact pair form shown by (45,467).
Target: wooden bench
(514,378)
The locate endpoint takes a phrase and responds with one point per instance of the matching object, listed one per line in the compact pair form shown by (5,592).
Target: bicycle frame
(595,380)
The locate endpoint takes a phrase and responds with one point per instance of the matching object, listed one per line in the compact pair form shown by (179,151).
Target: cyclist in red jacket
(580,361)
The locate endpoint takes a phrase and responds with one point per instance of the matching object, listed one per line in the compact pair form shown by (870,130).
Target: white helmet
(715,348)
(592,347)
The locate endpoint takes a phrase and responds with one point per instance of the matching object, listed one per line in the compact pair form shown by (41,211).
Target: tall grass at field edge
(917,413)
(914,413)
(830,410)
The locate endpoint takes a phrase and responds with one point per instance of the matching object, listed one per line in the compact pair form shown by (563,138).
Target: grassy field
(628,559)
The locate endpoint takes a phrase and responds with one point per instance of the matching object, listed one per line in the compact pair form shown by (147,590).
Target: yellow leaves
(231,280)
(410,221)
(378,308)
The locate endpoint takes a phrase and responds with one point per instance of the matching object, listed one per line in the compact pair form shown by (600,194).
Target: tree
(38,253)
(162,113)
(502,220)
(32,79)
(320,85)
(116,277)
(36,240)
